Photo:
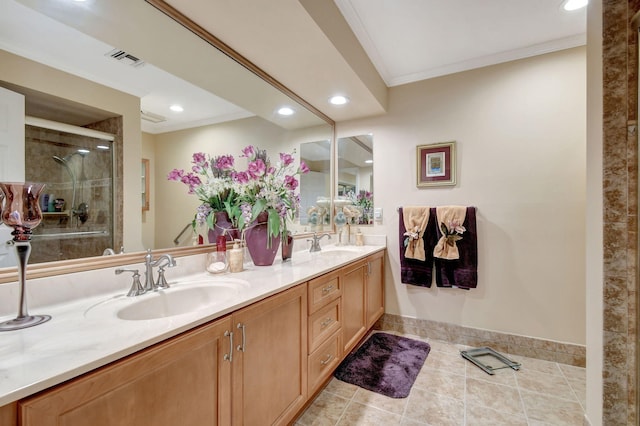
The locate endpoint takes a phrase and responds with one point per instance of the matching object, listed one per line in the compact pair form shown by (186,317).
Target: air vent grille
(154,118)
(125,58)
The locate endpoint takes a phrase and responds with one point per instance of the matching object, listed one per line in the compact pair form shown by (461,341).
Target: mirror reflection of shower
(77,166)
(81,211)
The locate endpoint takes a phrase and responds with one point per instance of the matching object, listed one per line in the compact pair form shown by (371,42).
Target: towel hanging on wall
(415,271)
(450,221)
(463,271)
(415,222)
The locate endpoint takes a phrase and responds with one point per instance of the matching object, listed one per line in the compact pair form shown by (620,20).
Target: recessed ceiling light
(83,151)
(105,147)
(286,111)
(176,108)
(368,161)
(574,4)
(338,100)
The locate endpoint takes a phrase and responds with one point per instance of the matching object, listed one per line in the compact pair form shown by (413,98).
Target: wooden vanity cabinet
(285,348)
(362,298)
(182,381)
(325,328)
(270,362)
(374,288)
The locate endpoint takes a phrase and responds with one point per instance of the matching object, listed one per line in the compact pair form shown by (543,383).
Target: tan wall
(520,130)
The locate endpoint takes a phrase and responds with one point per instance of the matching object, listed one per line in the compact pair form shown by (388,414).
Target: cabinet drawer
(323,361)
(323,324)
(322,290)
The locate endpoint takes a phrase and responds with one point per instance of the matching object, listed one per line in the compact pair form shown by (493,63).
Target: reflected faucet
(315,242)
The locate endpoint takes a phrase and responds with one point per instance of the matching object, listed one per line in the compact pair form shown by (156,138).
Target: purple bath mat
(385,363)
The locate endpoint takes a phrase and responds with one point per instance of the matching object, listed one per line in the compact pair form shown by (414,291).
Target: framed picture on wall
(436,164)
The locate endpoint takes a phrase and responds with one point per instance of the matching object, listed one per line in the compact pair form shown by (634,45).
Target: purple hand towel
(462,272)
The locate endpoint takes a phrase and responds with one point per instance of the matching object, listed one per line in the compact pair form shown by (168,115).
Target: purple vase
(256,237)
(287,247)
(223,226)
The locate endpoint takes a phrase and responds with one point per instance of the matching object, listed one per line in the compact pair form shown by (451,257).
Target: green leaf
(258,208)
(211,220)
(444,229)
(274,223)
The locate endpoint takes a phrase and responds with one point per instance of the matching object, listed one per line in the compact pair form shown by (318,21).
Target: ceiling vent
(154,118)
(125,58)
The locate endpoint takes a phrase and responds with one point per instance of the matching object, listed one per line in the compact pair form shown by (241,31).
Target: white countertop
(85,332)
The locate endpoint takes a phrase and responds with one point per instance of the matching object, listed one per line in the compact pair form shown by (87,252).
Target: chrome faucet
(149,264)
(315,242)
(136,287)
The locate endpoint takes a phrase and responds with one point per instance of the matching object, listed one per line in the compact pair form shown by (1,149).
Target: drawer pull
(327,289)
(325,323)
(327,360)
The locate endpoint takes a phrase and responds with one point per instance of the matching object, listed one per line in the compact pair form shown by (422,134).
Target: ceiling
(358,48)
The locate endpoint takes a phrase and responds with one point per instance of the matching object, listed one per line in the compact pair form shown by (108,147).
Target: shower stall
(77,166)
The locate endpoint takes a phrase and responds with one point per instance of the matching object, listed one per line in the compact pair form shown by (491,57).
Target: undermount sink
(339,250)
(177,300)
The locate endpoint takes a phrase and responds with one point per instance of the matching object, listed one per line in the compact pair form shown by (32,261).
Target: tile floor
(452,391)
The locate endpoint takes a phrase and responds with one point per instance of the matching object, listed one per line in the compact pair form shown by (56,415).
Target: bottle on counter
(359,238)
(236,257)
(217,262)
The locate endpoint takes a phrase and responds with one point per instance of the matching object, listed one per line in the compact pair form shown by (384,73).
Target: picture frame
(436,164)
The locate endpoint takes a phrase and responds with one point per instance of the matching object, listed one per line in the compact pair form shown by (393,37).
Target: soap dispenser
(359,238)
(236,257)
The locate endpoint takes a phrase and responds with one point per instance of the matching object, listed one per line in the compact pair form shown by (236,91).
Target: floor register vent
(489,360)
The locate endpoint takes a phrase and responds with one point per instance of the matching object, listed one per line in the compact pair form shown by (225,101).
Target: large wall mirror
(355,178)
(82,63)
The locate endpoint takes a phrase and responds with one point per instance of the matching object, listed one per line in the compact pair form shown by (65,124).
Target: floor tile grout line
(524,406)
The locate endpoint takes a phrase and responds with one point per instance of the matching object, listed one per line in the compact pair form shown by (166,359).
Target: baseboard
(550,350)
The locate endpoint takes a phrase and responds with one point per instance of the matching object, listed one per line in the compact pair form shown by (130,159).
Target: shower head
(68,157)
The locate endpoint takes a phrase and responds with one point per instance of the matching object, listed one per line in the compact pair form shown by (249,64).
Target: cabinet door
(270,364)
(353,305)
(183,381)
(375,288)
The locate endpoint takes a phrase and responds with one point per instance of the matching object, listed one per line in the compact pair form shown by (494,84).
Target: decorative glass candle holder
(21,211)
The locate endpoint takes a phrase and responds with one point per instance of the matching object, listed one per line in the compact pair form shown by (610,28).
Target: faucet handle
(162,281)
(136,287)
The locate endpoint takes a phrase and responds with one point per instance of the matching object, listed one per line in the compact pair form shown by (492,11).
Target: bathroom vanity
(254,357)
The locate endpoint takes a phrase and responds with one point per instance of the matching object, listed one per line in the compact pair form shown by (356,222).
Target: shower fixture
(82,211)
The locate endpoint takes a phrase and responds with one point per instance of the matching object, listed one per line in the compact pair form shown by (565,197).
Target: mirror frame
(43,270)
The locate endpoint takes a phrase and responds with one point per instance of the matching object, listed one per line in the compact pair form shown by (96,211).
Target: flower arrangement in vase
(210,179)
(258,200)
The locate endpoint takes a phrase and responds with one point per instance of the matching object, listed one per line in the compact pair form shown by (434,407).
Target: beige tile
(434,409)
(552,410)
(410,422)
(571,372)
(447,361)
(441,346)
(504,376)
(340,388)
(372,399)
(361,415)
(580,389)
(547,384)
(478,415)
(495,396)
(441,381)
(539,365)
(324,411)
